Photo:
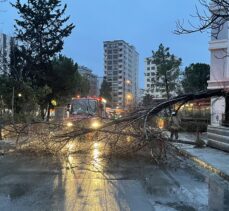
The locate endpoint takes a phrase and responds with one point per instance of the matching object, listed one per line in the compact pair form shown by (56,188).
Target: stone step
(218,145)
(217,137)
(219,130)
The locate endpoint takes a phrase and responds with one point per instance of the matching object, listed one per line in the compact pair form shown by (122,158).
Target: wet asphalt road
(91,183)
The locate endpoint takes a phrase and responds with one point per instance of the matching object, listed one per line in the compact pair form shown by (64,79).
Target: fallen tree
(130,134)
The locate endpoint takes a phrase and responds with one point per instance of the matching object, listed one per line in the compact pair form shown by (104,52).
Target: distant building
(151,78)
(121,64)
(100,81)
(140,96)
(92,78)
(5,50)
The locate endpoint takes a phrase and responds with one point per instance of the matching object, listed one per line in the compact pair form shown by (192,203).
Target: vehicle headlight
(95,124)
(69,124)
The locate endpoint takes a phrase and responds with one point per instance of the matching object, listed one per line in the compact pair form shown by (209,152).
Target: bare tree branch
(213,17)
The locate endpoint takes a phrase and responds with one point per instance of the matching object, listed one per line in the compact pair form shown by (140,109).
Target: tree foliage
(168,71)
(40,32)
(196,77)
(105,91)
(66,80)
(19,95)
(147,100)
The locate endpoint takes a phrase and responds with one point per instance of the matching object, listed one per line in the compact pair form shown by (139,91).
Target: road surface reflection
(88,181)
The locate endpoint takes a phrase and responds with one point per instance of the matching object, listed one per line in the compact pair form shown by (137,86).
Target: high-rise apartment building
(121,64)
(92,78)
(151,78)
(5,49)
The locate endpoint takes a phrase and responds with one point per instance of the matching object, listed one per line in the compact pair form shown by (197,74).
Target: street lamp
(128,82)
(19,95)
(129,97)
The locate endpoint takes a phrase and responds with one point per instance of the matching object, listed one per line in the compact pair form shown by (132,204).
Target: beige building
(121,64)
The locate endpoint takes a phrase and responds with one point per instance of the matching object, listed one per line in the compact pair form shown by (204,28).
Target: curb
(203,164)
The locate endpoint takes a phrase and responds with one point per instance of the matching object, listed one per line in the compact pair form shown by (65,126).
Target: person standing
(68,110)
(174,126)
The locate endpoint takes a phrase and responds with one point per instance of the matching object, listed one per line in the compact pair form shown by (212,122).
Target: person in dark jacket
(174,126)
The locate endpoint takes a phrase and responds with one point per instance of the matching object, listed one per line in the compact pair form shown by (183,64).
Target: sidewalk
(212,159)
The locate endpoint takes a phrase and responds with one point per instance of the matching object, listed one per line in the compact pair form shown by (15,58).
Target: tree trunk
(42,112)
(48,113)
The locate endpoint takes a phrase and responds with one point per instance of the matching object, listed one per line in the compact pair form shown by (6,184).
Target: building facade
(219,73)
(5,49)
(121,66)
(92,78)
(150,78)
(218,131)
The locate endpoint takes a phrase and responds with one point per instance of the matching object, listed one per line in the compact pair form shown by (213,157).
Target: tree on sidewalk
(196,77)
(168,71)
(40,32)
(147,99)
(105,90)
(66,80)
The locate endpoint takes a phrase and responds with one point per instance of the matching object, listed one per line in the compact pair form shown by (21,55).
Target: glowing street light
(129,97)
(53,102)
(19,95)
(128,82)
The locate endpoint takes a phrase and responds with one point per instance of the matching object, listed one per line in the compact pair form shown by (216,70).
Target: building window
(148,68)
(148,74)
(152,68)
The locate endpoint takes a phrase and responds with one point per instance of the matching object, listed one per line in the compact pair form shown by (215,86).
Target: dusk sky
(142,23)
